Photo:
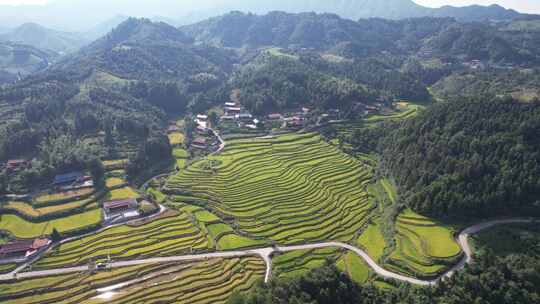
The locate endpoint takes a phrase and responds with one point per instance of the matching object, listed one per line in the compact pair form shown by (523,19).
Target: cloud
(24,2)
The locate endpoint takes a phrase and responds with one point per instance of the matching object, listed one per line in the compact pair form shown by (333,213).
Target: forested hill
(310,30)
(443,37)
(388,9)
(44,38)
(468,158)
(19,60)
(145,50)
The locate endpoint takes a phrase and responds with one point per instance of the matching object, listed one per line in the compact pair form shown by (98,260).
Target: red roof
(17,246)
(120,203)
(40,243)
(200,141)
(23,246)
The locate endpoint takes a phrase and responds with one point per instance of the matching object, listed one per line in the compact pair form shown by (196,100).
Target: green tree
(214,119)
(56,236)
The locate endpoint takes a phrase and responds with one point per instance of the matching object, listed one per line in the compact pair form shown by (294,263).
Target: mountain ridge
(41,37)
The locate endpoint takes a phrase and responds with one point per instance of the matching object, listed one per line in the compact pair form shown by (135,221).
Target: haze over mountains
(76,17)
(38,36)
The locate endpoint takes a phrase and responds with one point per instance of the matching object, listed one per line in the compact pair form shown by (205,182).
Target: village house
(295,121)
(72,181)
(202,130)
(372,110)
(19,251)
(200,143)
(120,210)
(17,164)
(232,110)
(245,117)
(67,179)
(173,129)
(202,117)
(275,116)
(227,117)
(120,206)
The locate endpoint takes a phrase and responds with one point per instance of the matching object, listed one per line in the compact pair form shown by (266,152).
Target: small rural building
(294,121)
(17,164)
(232,110)
(244,117)
(275,116)
(372,110)
(20,250)
(200,143)
(68,178)
(173,129)
(202,130)
(227,117)
(120,206)
(201,117)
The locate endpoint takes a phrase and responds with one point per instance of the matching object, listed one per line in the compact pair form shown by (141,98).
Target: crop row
(289,189)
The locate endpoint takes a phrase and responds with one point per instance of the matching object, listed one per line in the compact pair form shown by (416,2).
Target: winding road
(266,255)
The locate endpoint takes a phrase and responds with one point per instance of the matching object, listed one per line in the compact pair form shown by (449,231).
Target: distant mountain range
(40,37)
(79,15)
(388,9)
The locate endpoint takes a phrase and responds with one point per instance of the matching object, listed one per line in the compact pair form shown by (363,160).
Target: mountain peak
(142,30)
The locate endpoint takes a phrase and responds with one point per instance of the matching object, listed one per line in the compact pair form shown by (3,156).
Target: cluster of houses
(22,250)
(235,113)
(205,138)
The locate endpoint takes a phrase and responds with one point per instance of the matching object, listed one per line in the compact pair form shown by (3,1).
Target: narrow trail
(221,142)
(266,255)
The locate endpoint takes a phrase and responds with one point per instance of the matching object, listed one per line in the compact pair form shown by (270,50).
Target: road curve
(266,255)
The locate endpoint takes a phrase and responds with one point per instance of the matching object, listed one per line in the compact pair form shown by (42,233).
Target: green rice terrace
(259,192)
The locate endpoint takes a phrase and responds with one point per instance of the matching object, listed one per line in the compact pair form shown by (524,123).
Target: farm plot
(423,248)
(289,189)
(296,263)
(21,228)
(211,281)
(164,237)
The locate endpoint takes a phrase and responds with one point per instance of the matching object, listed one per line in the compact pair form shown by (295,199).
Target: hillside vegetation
(467,158)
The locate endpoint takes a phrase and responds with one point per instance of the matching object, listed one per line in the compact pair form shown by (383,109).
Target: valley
(285,157)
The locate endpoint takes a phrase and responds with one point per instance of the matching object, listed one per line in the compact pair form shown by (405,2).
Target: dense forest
(443,37)
(468,157)
(522,84)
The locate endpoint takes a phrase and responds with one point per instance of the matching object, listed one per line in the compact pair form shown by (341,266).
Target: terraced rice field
(46,198)
(208,282)
(176,139)
(174,235)
(126,192)
(296,263)
(21,228)
(290,189)
(424,248)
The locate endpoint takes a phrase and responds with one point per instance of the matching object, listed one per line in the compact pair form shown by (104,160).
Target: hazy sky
(82,15)
(531,6)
